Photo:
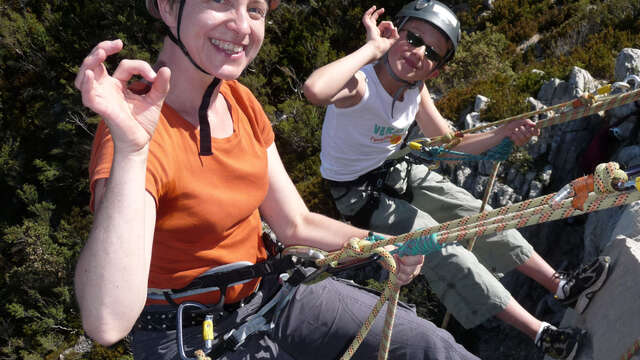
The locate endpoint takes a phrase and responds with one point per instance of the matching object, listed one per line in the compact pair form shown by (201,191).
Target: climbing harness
(292,267)
(263,320)
(374,184)
(289,269)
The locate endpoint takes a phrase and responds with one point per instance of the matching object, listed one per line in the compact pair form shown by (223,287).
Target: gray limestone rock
(582,82)
(481,103)
(471,120)
(503,195)
(611,319)
(535,189)
(627,63)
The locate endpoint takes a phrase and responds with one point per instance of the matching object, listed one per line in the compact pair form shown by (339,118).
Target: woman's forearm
(112,271)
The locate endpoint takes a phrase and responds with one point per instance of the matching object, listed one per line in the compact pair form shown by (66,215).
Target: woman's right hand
(382,36)
(131,118)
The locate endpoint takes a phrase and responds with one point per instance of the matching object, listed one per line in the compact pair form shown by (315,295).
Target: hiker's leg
(444,201)
(516,316)
(539,270)
(468,290)
(322,320)
(462,284)
(434,194)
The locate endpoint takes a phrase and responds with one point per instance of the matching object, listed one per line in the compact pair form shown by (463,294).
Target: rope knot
(584,100)
(449,136)
(607,174)
(355,246)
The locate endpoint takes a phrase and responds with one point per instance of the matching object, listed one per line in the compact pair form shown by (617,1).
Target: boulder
(611,318)
(627,63)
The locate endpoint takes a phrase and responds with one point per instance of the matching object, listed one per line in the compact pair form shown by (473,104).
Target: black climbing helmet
(437,14)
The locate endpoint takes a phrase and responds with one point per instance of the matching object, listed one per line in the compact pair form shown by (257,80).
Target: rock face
(627,63)
(613,315)
(563,153)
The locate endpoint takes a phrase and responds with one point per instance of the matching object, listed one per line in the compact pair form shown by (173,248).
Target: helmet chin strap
(406,84)
(203,119)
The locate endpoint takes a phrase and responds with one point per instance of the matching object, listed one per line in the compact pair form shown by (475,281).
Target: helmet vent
(420,4)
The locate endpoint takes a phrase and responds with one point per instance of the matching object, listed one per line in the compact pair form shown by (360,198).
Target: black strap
(222,279)
(205,129)
(230,344)
(178,41)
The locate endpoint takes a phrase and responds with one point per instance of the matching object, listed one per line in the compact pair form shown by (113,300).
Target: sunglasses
(416,41)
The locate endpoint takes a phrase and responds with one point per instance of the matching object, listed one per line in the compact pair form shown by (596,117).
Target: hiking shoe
(560,343)
(583,283)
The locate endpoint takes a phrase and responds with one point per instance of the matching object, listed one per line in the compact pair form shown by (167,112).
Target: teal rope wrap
(423,245)
(497,153)
(371,237)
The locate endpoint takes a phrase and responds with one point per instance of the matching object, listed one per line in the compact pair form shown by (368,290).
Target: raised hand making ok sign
(131,118)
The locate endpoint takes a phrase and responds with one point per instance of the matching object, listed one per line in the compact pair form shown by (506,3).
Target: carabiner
(207,330)
(308,256)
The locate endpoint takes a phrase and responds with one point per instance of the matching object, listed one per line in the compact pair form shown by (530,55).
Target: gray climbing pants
(319,322)
(465,282)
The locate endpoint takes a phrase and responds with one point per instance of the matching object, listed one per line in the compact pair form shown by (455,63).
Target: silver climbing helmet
(437,14)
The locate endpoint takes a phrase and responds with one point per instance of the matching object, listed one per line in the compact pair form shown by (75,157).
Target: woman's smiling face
(222,36)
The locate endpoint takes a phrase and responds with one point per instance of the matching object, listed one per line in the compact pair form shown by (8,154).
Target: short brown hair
(152,7)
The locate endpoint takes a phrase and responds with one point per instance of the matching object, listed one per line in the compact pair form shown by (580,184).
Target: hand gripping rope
(610,188)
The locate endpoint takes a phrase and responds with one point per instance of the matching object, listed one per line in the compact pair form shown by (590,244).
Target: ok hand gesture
(382,35)
(131,118)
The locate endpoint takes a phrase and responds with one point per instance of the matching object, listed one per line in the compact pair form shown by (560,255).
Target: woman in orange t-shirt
(181,173)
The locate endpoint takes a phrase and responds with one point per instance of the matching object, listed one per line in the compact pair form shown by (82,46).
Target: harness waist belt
(165,320)
(223,279)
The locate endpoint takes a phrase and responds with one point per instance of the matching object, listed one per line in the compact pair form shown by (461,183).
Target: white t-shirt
(358,139)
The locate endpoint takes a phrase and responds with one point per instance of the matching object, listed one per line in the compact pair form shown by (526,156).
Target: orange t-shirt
(207,206)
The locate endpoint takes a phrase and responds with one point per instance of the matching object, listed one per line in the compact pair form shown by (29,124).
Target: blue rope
(371,237)
(497,153)
(422,245)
